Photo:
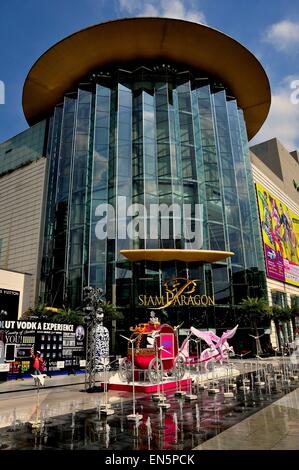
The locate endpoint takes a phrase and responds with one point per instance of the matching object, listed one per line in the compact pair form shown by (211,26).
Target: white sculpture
(102,343)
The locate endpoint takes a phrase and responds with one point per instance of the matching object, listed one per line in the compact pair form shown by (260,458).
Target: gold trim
(142,352)
(188,256)
(199,47)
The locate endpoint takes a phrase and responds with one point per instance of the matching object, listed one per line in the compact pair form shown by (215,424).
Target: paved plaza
(274,427)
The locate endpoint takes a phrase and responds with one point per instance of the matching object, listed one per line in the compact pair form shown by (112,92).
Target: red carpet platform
(146,387)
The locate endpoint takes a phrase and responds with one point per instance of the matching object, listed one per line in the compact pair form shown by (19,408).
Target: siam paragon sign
(177,293)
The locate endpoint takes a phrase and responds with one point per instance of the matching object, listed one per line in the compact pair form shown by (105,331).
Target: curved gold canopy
(63,66)
(188,256)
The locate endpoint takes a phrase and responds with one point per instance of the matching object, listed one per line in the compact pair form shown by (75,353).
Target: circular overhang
(118,42)
(187,256)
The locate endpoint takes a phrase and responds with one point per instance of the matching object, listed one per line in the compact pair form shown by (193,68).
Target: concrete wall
(278,165)
(21,215)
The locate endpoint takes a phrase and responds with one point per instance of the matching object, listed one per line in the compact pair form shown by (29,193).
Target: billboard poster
(58,343)
(280,233)
(9,303)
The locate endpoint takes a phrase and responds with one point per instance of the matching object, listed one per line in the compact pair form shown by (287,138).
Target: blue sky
(270,29)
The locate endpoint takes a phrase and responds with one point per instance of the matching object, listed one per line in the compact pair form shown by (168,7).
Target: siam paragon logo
(154,222)
(177,292)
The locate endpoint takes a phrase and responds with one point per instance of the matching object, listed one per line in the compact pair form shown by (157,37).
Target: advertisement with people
(280,232)
(57,345)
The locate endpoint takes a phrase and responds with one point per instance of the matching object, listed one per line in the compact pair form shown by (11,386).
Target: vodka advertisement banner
(60,344)
(280,232)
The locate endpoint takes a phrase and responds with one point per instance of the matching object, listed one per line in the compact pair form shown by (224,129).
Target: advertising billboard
(280,232)
(57,342)
(9,303)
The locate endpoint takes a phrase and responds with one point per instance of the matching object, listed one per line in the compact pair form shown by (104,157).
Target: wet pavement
(205,423)
(275,427)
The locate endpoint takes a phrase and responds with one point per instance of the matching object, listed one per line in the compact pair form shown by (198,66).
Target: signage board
(9,303)
(177,292)
(280,232)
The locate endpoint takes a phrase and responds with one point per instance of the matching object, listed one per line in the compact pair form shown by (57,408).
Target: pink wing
(227,335)
(208,336)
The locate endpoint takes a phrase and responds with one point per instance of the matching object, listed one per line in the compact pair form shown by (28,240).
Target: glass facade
(24,148)
(150,135)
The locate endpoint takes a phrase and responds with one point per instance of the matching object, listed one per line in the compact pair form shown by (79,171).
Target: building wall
(26,147)
(275,168)
(280,166)
(21,210)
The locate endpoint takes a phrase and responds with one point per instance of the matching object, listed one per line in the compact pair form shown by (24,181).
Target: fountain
(181,409)
(214,389)
(86,429)
(259,382)
(197,414)
(160,397)
(14,419)
(133,416)
(106,408)
(227,393)
(149,432)
(73,419)
(175,420)
(179,392)
(190,396)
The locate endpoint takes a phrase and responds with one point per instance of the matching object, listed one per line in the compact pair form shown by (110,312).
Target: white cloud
(283,36)
(283,119)
(180,9)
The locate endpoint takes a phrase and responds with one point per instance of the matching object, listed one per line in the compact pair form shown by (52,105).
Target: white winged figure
(39,379)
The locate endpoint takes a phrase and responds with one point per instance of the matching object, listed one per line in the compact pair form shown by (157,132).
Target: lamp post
(133,417)
(196,341)
(179,392)
(161,401)
(160,397)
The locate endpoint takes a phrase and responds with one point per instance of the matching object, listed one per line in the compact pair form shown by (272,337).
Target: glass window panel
(103,104)
(213,191)
(101,136)
(82,142)
(186,127)
(125,98)
(236,245)
(215,211)
(83,111)
(184,101)
(216,234)
(211,172)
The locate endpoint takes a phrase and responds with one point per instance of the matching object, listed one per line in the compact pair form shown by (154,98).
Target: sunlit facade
(156,112)
(152,135)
